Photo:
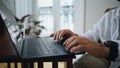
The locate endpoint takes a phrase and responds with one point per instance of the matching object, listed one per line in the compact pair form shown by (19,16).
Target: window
(56,13)
(45,15)
(67,14)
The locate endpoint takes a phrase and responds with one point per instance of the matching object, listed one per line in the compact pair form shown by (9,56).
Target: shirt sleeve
(106,29)
(95,32)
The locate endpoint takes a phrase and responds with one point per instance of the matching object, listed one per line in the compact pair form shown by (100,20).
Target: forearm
(98,50)
(108,50)
(104,51)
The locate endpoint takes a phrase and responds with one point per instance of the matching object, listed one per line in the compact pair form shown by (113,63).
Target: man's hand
(76,43)
(62,33)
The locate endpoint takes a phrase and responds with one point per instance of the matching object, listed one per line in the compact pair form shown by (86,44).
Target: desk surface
(26,63)
(46,59)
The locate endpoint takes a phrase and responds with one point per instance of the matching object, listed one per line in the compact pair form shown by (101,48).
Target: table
(29,63)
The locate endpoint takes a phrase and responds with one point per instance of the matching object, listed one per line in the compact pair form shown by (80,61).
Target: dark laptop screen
(7,48)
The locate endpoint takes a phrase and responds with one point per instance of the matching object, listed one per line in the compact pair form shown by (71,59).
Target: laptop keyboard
(51,46)
(48,49)
(42,47)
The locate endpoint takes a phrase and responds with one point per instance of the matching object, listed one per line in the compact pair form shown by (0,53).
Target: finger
(51,35)
(57,35)
(54,35)
(68,41)
(71,44)
(77,48)
(62,33)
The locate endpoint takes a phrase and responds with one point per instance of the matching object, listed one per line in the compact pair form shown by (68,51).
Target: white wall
(23,7)
(12,4)
(79,15)
(94,10)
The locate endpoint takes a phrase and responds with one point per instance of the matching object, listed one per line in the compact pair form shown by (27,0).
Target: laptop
(40,47)
(7,47)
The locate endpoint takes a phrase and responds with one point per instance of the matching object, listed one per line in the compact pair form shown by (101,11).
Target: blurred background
(76,15)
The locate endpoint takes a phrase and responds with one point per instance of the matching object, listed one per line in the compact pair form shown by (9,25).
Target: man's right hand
(62,33)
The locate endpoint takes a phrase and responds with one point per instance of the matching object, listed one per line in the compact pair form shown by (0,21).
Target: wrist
(107,51)
(104,51)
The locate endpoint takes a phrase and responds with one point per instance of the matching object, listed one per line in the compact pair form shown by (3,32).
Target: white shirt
(107,28)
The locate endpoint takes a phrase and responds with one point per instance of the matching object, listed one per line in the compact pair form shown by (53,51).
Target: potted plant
(28,28)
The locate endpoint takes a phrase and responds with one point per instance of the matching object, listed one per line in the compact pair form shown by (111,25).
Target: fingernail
(71,50)
(66,48)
